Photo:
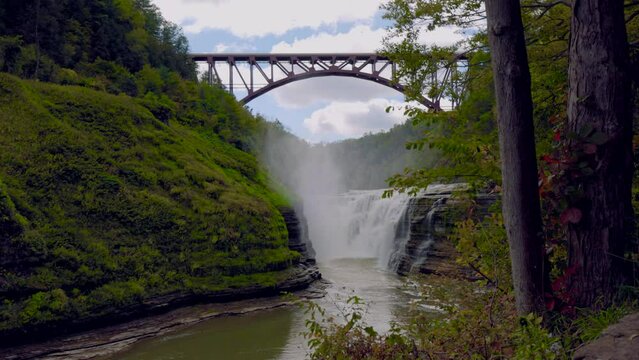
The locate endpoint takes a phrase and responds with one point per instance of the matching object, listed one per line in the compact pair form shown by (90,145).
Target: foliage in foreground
(107,201)
(474,322)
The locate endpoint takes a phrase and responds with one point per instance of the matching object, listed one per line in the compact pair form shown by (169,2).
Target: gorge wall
(422,243)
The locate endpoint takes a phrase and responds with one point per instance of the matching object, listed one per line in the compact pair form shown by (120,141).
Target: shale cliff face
(421,241)
(298,239)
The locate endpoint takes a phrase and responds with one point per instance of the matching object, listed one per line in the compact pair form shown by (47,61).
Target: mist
(338,191)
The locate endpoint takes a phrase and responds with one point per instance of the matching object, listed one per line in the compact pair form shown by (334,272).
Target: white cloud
(233,47)
(360,38)
(443,36)
(352,119)
(249,18)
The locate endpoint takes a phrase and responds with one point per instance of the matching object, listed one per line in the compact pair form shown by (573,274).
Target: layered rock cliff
(422,241)
(298,239)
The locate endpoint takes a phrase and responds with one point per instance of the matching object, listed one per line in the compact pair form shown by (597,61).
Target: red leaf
(550,304)
(571,215)
(556,136)
(568,310)
(558,284)
(549,159)
(590,149)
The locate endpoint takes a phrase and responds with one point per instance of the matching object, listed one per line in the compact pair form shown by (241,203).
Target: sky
(320,109)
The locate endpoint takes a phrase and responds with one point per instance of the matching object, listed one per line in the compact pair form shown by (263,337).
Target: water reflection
(258,336)
(277,334)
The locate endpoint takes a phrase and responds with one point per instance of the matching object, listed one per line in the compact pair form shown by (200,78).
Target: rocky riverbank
(110,340)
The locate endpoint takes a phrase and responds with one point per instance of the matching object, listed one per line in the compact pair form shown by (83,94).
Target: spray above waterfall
(342,222)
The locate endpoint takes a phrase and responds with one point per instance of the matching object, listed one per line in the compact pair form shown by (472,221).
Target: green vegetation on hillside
(127,180)
(103,205)
(41,38)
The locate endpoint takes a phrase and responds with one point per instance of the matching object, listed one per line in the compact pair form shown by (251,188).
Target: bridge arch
(339,73)
(265,72)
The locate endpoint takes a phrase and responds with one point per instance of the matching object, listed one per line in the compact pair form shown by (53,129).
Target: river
(277,334)
(353,235)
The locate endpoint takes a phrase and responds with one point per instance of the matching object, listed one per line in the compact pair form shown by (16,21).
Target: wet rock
(422,241)
(297,227)
(617,342)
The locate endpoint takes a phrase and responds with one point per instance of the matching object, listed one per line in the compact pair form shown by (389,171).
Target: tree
(521,209)
(599,109)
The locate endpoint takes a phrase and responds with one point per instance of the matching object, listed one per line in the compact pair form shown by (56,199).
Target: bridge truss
(256,74)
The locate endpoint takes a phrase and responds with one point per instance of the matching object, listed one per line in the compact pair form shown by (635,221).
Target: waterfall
(398,231)
(356,224)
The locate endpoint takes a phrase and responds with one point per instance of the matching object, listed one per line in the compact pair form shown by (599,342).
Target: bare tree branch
(548,5)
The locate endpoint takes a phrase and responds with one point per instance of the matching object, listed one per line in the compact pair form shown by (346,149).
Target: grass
(104,205)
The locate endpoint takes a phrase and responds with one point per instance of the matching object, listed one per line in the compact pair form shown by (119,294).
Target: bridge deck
(285,57)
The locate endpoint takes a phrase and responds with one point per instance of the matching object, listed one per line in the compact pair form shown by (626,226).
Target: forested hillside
(125,181)
(39,37)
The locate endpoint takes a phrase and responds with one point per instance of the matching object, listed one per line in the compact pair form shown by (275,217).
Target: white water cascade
(357,224)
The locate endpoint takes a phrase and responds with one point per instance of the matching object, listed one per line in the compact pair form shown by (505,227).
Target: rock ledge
(618,342)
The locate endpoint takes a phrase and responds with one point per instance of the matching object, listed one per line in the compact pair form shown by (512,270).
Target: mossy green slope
(103,205)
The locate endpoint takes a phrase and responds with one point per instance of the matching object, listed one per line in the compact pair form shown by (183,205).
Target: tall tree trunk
(600,98)
(521,209)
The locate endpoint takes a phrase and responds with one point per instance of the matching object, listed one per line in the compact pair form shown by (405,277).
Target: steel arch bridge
(258,73)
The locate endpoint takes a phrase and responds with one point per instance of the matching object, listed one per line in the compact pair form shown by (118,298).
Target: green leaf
(370,331)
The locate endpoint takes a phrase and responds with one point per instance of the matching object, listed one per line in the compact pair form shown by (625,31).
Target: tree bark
(600,97)
(521,208)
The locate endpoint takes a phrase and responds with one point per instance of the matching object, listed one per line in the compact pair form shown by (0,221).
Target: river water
(277,334)
(353,235)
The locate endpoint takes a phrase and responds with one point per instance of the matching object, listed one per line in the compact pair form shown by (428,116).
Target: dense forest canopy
(41,36)
(468,139)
